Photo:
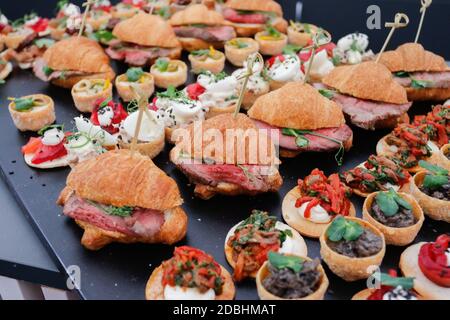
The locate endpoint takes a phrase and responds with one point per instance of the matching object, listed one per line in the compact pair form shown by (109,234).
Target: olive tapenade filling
(291,277)
(390,209)
(350,239)
(436,183)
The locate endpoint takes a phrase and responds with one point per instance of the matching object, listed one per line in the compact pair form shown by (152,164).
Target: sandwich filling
(47,74)
(423,80)
(205,32)
(248,16)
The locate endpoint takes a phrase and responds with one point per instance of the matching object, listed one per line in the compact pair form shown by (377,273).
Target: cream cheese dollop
(81,148)
(287,70)
(256,83)
(53,137)
(352,48)
(151,129)
(398,293)
(175,112)
(318,213)
(105,116)
(218,93)
(181,293)
(71,9)
(95,132)
(321,65)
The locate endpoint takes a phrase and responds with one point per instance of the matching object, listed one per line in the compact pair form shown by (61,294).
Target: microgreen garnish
(162,64)
(49,127)
(342,228)
(163,12)
(291,49)
(124,211)
(329,94)
(390,202)
(280,261)
(272,32)
(44,42)
(19,22)
(385,279)
(420,84)
(173,94)
(134,74)
(104,36)
(303,142)
(435,178)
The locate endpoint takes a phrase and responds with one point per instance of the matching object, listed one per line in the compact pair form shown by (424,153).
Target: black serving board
(121,271)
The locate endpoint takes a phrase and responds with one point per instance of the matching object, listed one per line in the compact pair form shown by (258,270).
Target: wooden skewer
(425,4)
(320,38)
(88,5)
(251,60)
(398,23)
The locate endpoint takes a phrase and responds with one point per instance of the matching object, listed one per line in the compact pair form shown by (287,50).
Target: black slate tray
(121,271)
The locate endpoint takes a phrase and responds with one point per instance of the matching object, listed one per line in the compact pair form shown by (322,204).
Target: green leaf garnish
(272,32)
(104,35)
(402,74)
(390,202)
(342,228)
(47,70)
(134,74)
(406,283)
(23,104)
(420,84)
(52,126)
(436,177)
(124,211)
(329,94)
(162,64)
(291,49)
(433,168)
(280,261)
(44,42)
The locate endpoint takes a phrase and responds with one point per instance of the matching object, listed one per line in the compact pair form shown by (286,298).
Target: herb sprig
(281,261)
(390,202)
(342,228)
(436,176)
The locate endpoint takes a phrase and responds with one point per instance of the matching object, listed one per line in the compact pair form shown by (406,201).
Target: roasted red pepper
(120,114)
(271,61)
(434,262)
(47,153)
(194,90)
(40,25)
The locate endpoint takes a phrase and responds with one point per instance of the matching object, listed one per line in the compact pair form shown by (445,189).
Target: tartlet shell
(87,103)
(35,119)
(271,47)
(125,91)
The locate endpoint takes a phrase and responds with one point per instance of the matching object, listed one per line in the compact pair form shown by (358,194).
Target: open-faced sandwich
(245,162)
(408,144)
(204,60)
(167,72)
(197,28)
(86,92)
(257,84)
(245,250)
(134,83)
(271,41)
(352,49)
(388,286)
(191,274)
(28,40)
(368,95)
(282,69)
(142,39)
(378,173)
(431,188)
(351,246)
(250,16)
(71,60)
(425,75)
(122,196)
(237,50)
(126,9)
(429,264)
(291,277)
(304,120)
(301,34)
(397,215)
(33,112)
(218,93)
(311,206)
(151,138)
(177,110)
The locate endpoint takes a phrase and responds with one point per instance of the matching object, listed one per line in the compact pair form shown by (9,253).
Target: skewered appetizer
(300,34)
(257,84)
(87,92)
(218,93)
(352,49)
(351,246)
(191,274)
(135,83)
(237,168)
(207,60)
(322,64)
(246,252)
(368,95)
(168,73)
(139,47)
(397,215)
(28,40)
(431,189)
(127,9)
(378,173)
(425,75)
(290,277)
(108,115)
(429,264)
(95,133)
(71,60)
(310,207)
(408,144)
(198,28)
(303,120)
(271,41)
(282,69)
(99,16)
(250,16)
(238,49)
(67,21)
(150,141)
(177,110)
(33,112)
(390,287)
(122,196)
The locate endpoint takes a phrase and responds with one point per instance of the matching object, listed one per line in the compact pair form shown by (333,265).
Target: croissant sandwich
(122,196)
(71,60)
